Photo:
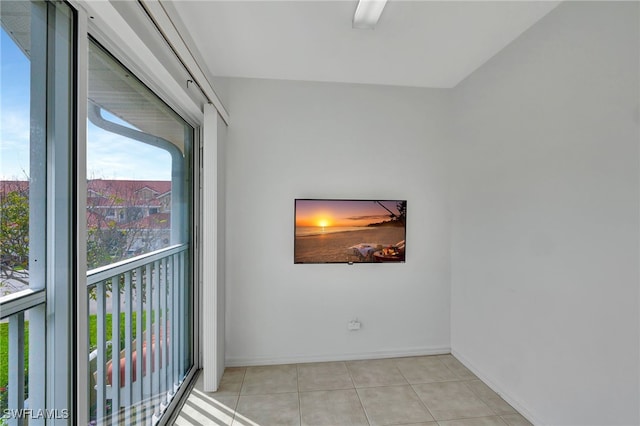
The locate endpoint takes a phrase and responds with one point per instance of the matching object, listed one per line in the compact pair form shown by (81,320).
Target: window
(138,218)
(139,161)
(36,205)
(15,165)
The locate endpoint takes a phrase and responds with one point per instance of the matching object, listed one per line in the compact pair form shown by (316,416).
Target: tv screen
(350,231)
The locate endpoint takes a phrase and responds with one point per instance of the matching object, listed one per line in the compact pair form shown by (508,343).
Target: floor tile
(480,389)
(392,405)
(426,369)
(489,397)
(324,376)
(419,424)
(230,383)
(203,409)
(331,408)
(451,400)
(371,373)
(270,379)
(515,420)
(353,392)
(268,410)
(456,367)
(478,421)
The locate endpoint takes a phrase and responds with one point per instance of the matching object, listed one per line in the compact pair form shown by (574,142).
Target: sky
(109,156)
(326,213)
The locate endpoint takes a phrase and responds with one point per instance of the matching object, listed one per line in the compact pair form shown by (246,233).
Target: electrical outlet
(353,325)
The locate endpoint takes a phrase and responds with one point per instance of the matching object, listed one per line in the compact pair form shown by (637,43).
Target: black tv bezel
(295,208)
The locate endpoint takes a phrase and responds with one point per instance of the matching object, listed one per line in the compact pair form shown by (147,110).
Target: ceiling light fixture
(368,13)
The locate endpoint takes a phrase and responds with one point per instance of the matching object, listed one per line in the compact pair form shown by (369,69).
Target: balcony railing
(138,354)
(23,313)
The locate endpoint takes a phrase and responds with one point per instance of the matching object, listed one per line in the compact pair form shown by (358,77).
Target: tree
(121,223)
(105,245)
(14,234)
(402,210)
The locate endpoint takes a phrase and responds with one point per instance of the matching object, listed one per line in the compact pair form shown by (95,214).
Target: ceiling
(416,43)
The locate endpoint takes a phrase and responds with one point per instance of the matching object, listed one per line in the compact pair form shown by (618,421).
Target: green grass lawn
(93,328)
(4,362)
(93,338)
(4,352)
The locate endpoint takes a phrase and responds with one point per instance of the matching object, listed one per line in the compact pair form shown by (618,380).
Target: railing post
(167,324)
(148,389)
(37,360)
(155,348)
(175,333)
(127,400)
(16,366)
(139,334)
(161,344)
(181,317)
(115,350)
(101,343)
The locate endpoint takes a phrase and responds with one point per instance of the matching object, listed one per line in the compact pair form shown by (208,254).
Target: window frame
(191,198)
(64,221)
(52,273)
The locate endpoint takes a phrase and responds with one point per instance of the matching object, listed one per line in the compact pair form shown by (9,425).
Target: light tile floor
(419,391)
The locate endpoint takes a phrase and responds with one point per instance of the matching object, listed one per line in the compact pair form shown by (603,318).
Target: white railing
(23,311)
(147,364)
(15,386)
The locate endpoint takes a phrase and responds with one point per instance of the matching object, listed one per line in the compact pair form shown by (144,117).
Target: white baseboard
(301,359)
(515,403)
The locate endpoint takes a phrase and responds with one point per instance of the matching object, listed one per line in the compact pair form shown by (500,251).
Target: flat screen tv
(350,231)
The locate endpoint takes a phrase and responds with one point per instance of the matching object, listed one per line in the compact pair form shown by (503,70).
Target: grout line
(364,410)
(235,409)
(298,385)
(353,382)
(477,395)
(355,388)
(471,418)
(395,364)
(447,368)
(424,404)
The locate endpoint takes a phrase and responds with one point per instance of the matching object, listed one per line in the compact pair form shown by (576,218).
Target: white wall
(292,140)
(545,218)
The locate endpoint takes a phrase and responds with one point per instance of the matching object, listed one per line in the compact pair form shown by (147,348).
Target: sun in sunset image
(323,223)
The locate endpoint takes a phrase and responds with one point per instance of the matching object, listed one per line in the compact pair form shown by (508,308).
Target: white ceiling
(416,43)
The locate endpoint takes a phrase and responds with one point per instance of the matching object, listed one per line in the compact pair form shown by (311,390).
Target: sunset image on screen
(337,231)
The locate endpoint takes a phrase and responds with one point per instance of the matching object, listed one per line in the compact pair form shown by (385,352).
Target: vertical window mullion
(83,380)
(42,33)
(38,204)
(60,215)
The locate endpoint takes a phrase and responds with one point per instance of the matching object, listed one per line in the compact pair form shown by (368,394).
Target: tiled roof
(113,193)
(153,221)
(101,186)
(7,186)
(110,186)
(104,194)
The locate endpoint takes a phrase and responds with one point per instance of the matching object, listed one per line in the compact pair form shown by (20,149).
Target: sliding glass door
(138,251)
(136,297)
